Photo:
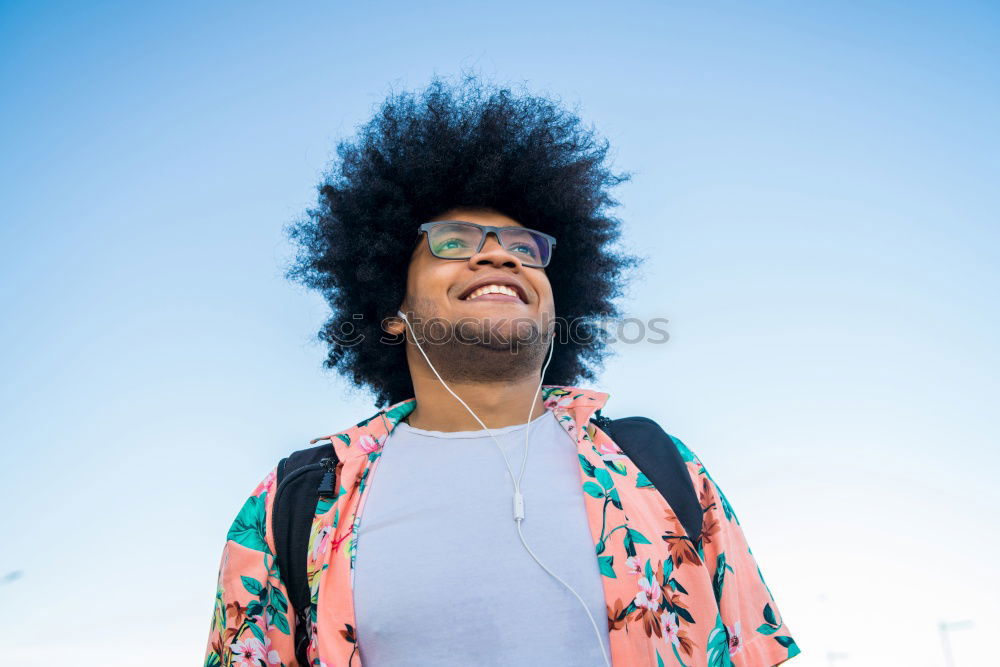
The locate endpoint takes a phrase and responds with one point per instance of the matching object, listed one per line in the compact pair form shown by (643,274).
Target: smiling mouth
(494,292)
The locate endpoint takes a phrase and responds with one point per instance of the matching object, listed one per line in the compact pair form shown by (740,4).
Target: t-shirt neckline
(469,434)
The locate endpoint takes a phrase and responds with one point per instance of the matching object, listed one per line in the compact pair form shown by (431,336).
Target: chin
(517,331)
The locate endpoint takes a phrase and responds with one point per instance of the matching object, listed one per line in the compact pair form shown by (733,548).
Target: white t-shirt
(441,577)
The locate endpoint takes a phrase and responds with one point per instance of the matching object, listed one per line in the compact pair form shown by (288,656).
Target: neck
(497,404)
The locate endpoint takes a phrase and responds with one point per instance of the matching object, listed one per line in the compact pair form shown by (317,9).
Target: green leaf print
(720,574)
(668,569)
(769,615)
(280,622)
(278,599)
(629,547)
(641,481)
(252,585)
(588,467)
(771,624)
(637,537)
(617,467)
(604,478)
(398,413)
(324,505)
(344,438)
(615,498)
(553,391)
(659,660)
(592,489)
(248,527)
(606,563)
(213,660)
(793,648)
(682,613)
(257,631)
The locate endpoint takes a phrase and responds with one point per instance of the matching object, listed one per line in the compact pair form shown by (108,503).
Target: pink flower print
(251,652)
(272,656)
(266,484)
(668,623)
(610,451)
(320,543)
(369,444)
(735,638)
(243,653)
(634,565)
(648,596)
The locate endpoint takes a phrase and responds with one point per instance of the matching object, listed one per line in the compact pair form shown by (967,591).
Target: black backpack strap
(299,478)
(656,455)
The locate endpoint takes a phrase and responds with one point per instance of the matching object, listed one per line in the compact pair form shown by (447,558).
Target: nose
(494,253)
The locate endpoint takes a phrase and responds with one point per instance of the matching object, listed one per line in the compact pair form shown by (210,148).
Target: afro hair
(467,144)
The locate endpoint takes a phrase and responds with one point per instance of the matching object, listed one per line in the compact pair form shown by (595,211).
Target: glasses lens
(453,240)
(531,246)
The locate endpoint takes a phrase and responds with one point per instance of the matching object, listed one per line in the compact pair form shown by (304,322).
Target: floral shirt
(669,602)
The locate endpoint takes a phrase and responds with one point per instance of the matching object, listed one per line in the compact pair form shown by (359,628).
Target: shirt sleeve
(251,622)
(756,632)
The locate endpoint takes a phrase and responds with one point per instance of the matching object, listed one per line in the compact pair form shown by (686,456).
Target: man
(464,516)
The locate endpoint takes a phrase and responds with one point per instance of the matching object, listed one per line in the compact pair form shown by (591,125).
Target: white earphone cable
(518,498)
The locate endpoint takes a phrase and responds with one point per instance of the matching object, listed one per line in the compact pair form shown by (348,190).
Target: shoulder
(648,427)
(686,453)
(250,527)
(709,492)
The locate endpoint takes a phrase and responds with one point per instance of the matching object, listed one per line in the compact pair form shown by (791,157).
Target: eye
(526,249)
(451,244)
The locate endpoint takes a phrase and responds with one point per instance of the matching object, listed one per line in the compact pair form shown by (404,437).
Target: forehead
(478,216)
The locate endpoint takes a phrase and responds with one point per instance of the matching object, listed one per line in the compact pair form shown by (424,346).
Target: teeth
(492,289)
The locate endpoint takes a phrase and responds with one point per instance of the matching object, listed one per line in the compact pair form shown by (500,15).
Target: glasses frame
(426,227)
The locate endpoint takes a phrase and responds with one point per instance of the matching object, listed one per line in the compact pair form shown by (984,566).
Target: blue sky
(814,187)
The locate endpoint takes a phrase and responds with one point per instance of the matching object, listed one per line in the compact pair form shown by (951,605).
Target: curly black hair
(468,144)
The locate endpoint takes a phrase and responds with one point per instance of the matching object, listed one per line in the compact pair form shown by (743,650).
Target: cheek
(546,297)
(429,280)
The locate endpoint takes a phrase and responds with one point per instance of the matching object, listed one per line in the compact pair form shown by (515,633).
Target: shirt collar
(370,434)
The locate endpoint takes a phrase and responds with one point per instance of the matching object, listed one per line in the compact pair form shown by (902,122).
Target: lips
(502,282)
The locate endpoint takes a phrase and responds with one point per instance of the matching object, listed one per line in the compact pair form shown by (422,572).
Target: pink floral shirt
(669,602)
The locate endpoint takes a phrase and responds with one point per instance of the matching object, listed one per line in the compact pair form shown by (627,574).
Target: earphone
(518,498)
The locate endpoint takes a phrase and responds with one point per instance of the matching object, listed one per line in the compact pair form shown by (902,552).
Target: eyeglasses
(457,239)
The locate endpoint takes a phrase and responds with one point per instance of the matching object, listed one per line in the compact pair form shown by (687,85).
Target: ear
(394,325)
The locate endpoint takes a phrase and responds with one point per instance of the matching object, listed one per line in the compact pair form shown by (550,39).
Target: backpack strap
(654,452)
(300,477)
